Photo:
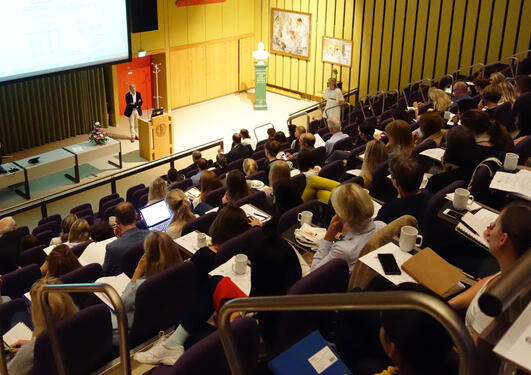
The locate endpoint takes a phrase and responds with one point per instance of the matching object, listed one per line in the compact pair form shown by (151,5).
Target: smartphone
(389,264)
(453,214)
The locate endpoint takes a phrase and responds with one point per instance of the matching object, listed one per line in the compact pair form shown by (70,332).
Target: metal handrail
(119,310)
(351,301)
(261,126)
(341,112)
(111,179)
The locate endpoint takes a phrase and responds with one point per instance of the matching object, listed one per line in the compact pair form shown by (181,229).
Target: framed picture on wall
(291,33)
(337,51)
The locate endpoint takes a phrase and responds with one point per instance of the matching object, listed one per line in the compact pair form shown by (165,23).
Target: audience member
(406,175)
(334,126)
(173,176)
(79,232)
(490,135)
(459,160)
(271,134)
(318,187)
(279,171)
(366,131)
(522,84)
(59,262)
(496,78)
(238,151)
(128,236)
(430,126)
(181,214)
(101,231)
(196,155)
(157,190)
(247,140)
(61,307)
(353,221)
(7,224)
(400,138)
(463,106)
(489,99)
(160,253)
(237,187)
(307,141)
(404,115)
(66,224)
(522,115)
(507,91)
(509,238)
(306,164)
(281,137)
(480,84)
(460,91)
(28,241)
(249,167)
(202,166)
(209,182)
(291,133)
(295,143)
(272,148)
(375,154)
(438,101)
(415,342)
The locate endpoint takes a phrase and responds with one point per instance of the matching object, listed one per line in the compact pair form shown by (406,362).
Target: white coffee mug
(510,162)
(240,264)
(305,217)
(409,238)
(201,240)
(462,199)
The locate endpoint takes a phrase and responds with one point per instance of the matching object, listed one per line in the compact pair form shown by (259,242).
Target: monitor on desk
(157,112)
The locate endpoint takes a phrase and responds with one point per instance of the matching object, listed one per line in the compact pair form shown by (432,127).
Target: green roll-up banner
(260,87)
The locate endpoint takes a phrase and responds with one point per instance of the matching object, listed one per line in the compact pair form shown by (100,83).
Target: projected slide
(45,36)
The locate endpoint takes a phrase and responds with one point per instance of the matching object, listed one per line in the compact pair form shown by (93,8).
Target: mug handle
(299,216)
(470,200)
(417,242)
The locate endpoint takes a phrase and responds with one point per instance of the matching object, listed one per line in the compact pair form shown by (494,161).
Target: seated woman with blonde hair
(181,213)
(66,224)
(79,232)
(157,190)
(400,138)
(375,154)
(353,221)
(61,307)
(249,167)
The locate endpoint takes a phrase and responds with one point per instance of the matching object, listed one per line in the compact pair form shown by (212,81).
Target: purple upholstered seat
(241,244)
(79,248)
(81,207)
(51,218)
(85,339)
(34,255)
(131,257)
(183,185)
(236,164)
(523,150)
(131,190)
(289,217)
(8,310)
(333,170)
(104,200)
(214,197)
(45,236)
(257,199)
(11,240)
(299,182)
(202,223)
(319,155)
(422,147)
(260,175)
(87,274)
(381,187)
(53,226)
(18,282)
(344,144)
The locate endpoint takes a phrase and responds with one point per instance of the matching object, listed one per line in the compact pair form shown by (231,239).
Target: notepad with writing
(119,283)
(472,225)
(95,252)
(20,331)
(432,271)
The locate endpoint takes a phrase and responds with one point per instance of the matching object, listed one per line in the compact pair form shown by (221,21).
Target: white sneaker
(159,353)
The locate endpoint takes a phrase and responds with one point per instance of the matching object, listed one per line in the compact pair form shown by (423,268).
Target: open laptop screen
(155,213)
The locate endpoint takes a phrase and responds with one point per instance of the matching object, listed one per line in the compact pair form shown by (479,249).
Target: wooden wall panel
(397,41)
(180,88)
(245,63)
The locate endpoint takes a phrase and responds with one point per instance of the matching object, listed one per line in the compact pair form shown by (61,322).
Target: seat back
(11,240)
(81,207)
(241,244)
(319,155)
(87,274)
(105,199)
(289,218)
(257,199)
(81,356)
(344,144)
(192,172)
(35,255)
(214,197)
(52,226)
(353,161)
(87,215)
(331,277)
(381,187)
(523,150)
(18,282)
(332,171)
(236,164)
(8,310)
(479,185)
(504,115)
(422,147)
(258,154)
(131,190)
(131,258)
(202,223)
(161,300)
(183,185)
(110,209)
(355,180)
(208,357)
(260,175)
(45,237)
(51,218)
(299,182)
(80,247)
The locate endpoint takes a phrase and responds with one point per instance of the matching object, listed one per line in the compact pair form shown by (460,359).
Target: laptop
(156,215)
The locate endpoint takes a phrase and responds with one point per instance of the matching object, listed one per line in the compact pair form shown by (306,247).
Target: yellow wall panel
(198,90)
(407,53)
(178,25)
(180,88)
(230,18)
(246,67)
(509,37)
(445,29)
(387,35)
(418,42)
(455,37)
(496,31)
(525,27)
(377,30)
(469,35)
(483,31)
(317,50)
(310,70)
(396,54)
(196,24)
(245,23)
(213,20)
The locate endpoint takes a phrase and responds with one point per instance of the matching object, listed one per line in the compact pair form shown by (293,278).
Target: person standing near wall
(133,99)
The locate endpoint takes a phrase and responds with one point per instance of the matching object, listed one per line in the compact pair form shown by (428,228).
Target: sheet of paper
(378,132)
(260,215)
(373,262)
(434,153)
(323,359)
(425,180)
(189,241)
(95,252)
(471,207)
(361,156)
(354,172)
(193,192)
(294,172)
(19,332)
(77,149)
(318,141)
(119,283)
(518,183)
(377,207)
(515,345)
(242,281)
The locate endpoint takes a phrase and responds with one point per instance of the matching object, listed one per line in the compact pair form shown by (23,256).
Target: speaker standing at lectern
(133,99)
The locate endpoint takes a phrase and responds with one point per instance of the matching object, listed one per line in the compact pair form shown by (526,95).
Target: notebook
(156,215)
(20,331)
(432,271)
(310,356)
(119,283)
(472,225)
(518,183)
(252,211)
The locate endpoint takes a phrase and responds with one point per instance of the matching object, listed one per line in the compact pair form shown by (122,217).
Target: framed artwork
(337,51)
(291,33)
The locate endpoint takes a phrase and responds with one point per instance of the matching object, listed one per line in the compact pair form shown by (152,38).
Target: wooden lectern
(156,137)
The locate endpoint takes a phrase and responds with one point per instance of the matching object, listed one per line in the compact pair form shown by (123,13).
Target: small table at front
(11,178)
(86,151)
